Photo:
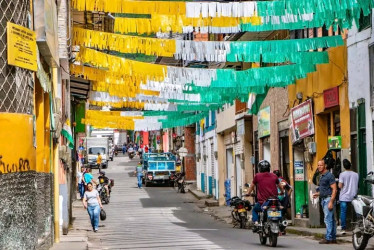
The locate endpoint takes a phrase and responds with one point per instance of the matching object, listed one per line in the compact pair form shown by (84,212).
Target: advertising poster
(302,120)
(264,122)
(21,47)
(299,171)
(335,142)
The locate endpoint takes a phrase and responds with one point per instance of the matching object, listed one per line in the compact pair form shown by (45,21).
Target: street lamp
(182,153)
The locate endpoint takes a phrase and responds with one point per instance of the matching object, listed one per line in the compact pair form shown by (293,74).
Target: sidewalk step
(211,203)
(198,194)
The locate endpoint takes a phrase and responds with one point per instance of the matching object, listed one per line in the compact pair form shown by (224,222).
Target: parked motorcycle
(240,210)
(364,225)
(271,223)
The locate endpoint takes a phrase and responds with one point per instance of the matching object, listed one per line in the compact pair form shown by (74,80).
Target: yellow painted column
(55,172)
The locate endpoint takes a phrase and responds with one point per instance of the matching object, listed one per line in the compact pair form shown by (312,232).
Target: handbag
(102,214)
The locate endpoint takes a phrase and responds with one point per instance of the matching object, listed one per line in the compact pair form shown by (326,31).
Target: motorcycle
(103,193)
(104,196)
(271,223)
(131,153)
(364,225)
(179,182)
(240,209)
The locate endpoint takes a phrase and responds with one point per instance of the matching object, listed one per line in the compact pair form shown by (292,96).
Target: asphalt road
(160,218)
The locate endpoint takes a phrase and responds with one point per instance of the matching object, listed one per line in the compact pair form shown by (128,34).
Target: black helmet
(263,166)
(277,173)
(102,173)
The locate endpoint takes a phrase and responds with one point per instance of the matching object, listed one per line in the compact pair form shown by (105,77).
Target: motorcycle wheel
(262,238)
(243,221)
(273,239)
(359,239)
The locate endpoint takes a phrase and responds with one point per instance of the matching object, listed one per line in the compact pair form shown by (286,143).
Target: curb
(319,236)
(196,195)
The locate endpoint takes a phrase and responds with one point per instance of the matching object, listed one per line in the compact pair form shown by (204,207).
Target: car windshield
(94,151)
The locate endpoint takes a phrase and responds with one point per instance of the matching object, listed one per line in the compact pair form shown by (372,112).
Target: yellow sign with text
(21,47)
(17,153)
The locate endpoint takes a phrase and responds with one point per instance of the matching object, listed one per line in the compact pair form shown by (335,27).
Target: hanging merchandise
(124,44)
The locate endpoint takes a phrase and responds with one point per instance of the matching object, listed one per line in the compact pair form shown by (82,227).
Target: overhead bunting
(123,43)
(137,71)
(239,51)
(181,24)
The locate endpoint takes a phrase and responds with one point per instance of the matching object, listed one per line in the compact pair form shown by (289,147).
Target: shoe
(324,241)
(339,228)
(95,230)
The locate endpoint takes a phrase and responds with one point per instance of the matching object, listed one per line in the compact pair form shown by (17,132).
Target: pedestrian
(139,174)
(124,149)
(284,197)
(99,160)
(92,203)
(327,194)
(88,177)
(80,182)
(348,184)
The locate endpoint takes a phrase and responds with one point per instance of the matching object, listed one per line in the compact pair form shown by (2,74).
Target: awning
(79,87)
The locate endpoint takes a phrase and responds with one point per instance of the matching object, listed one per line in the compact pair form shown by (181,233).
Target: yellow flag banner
(123,43)
(129,6)
(175,23)
(88,73)
(117,89)
(110,119)
(17,152)
(139,72)
(119,104)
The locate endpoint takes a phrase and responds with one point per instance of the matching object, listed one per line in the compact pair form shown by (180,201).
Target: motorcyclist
(266,184)
(104,181)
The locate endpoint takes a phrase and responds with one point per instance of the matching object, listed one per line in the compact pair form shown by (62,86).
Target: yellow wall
(327,76)
(42,113)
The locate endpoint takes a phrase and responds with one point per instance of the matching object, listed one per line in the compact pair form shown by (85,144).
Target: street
(160,218)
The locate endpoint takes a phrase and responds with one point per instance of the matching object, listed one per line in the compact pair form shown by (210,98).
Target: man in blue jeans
(139,174)
(327,194)
(348,184)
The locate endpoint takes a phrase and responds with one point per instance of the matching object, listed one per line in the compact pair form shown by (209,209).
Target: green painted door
(364,188)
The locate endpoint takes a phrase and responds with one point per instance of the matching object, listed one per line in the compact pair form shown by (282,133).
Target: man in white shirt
(80,182)
(348,184)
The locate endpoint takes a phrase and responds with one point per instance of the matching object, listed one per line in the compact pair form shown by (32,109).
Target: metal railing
(16,84)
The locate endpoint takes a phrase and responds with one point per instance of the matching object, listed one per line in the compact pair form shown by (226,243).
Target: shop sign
(264,122)
(335,142)
(302,121)
(240,127)
(21,47)
(299,171)
(331,97)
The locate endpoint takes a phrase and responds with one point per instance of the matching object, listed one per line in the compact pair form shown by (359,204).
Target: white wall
(359,79)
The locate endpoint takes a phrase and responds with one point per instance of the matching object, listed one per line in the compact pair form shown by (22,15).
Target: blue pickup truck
(158,168)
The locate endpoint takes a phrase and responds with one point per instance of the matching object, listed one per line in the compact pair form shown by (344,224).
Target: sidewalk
(77,237)
(223,213)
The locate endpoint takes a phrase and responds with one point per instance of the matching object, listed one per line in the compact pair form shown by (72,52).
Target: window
(95,151)
(364,22)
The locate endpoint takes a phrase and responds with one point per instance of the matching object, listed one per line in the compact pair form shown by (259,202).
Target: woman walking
(92,203)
